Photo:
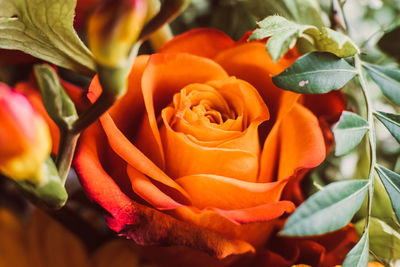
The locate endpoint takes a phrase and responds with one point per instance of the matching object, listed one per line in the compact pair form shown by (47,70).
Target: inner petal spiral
(215,123)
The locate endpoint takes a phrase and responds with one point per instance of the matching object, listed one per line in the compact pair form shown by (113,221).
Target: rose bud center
(211,124)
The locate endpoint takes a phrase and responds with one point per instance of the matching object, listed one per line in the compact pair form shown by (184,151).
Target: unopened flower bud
(114,28)
(25,141)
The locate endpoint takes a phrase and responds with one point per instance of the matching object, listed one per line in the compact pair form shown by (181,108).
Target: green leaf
(391,181)
(44,29)
(51,191)
(381,205)
(300,11)
(387,79)
(336,43)
(327,210)
(384,240)
(59,106)
(349,132)
(315,73)
(391,122)
(358,256)
(284,35)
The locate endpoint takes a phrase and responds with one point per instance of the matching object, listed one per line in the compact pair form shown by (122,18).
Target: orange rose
(199,150)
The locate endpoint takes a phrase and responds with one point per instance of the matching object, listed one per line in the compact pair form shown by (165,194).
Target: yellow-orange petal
(165,75)
(241,94)
(203,42)
(196,159)
(134,157)
(132,102)
(212,191)
(252,63)
(147,226)
(142,186)
(265,212)
(231,97)
(295,142)
(134,127)
(214,220)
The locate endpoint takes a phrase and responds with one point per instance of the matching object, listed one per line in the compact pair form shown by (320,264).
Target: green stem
(103,103)
(69,137)
(66,152)
(371,137)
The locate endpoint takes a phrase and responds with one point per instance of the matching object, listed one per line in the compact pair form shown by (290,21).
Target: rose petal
(247,141)
(186,114)
(252,63)
(242,98)
(292,190)
(203,42)
(151,227)
(103,189)
(165,75)
(235,163)
(329,106)
(255,233)
(212,191)
(134,157)
(323,251)
(239,92)
(149,192)
(144,225)
(128,111)
(337,244)
(260,213)
(295,142)
(132,102)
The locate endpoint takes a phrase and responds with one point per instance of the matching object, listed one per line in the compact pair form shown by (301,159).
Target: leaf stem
(103,103)
(69,135)
(371,136)
(66,150)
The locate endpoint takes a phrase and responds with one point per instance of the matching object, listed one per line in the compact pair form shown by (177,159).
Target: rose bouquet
(202,150)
